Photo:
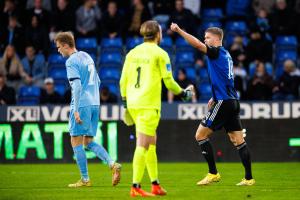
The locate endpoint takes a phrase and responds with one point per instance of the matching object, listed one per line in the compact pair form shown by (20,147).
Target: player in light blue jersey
(84,108)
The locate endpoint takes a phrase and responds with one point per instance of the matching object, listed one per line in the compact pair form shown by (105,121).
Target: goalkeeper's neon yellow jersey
(144,68)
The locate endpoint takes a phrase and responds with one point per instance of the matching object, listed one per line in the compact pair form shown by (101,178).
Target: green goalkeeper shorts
(146,120)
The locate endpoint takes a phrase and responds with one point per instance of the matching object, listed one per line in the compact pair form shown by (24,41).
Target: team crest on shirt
(169,67)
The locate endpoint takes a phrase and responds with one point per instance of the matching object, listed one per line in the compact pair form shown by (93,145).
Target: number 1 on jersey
(137,85)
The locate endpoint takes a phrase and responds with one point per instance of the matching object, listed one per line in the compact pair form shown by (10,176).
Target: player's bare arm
(189,38)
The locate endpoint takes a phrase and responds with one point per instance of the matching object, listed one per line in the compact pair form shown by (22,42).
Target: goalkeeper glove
(126,115)
(127,118)
(187,93)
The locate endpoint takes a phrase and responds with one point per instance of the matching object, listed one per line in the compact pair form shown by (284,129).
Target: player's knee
(87,140)
(236,138)
(239,140)
(202,133)
(75,141)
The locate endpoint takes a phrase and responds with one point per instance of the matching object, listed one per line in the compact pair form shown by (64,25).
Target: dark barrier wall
(268,139)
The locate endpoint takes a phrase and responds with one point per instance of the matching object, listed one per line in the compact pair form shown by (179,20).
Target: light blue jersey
(81,66)
(85,84)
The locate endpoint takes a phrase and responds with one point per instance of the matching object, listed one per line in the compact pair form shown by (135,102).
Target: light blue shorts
(89,116)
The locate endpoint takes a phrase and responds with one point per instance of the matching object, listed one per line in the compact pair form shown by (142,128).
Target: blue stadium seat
(238,27)
(111,44)
(183,45)
(212,14)
(94,57)
(283,55)
(109,73)
(238,7)
(162,20)
(166,42)
(286,42)
(252,69)
(58,74)
(53,48)
(29,95)
(203,75)
(207,24)
(87,44)
(56,58)
(205,91)
(190,73)
(111,58)
(278,71)
(60,88)
(133,42)
(112,86)
(184,58)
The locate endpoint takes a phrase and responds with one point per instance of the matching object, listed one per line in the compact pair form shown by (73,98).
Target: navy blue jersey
(220,71)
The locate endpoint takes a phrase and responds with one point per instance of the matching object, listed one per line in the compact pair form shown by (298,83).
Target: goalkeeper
(141,81)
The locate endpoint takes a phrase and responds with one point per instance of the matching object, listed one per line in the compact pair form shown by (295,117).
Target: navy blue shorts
(224,113)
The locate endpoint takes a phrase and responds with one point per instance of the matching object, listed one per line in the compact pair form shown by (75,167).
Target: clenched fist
(174,27)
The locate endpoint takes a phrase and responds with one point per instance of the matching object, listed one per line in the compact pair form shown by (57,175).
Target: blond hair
(216,31)
(149,30)
(65,38)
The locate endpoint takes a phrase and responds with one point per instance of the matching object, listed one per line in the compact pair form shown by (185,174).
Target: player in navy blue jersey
(223,107)
(84,108)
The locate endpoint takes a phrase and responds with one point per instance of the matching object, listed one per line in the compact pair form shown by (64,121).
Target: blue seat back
(238,27)
(286,42)
(166,42)
(56,58)
(29,95)
(111,58)
(133,42)
(186,58)
(112,86)
(212,14)
(238,7)
(283,55)
(205,91)
(109,73)
(203,75)
(87,44)
(60,88)
(58,74)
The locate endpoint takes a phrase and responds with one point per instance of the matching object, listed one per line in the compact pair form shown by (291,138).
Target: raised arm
(189,38)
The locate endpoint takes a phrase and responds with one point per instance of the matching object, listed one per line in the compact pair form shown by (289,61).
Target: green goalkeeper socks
(151,163)
(138,164)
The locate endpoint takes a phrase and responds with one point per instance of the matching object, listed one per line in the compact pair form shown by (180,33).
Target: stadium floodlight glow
(294,142)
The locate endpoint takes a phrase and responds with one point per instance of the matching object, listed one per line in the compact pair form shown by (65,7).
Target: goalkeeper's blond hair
(150,30)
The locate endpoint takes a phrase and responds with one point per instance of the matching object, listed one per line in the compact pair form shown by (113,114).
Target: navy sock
(207,152)
(246,159)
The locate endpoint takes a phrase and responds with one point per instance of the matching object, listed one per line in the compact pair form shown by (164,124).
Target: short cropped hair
(149,30)
(65,38)
(216,31)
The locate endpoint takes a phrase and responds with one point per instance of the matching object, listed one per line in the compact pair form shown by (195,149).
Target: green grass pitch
(48,181)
